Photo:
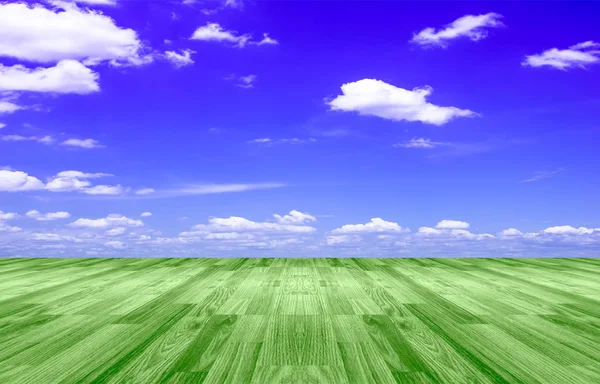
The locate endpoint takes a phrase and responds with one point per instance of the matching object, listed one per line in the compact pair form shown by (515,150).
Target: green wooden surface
(300,321)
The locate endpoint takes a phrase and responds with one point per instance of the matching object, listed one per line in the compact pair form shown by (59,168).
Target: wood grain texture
(299,321)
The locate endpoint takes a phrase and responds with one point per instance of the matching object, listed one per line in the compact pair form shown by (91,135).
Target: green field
(300,320)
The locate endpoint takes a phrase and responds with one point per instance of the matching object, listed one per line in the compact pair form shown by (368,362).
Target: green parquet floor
(300,321)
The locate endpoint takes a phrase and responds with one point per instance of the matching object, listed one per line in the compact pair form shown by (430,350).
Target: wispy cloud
(473,27)
(269,141)
(180,59)
(579,55)
(421,143)
(39,139)
(216,33)
(541,175)
(82,143)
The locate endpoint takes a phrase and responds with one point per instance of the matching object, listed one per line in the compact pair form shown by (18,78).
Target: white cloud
(7,215)
(115,231)
(543,175)
(341,239)
(262,140)
(377,98)
(240,224)
(452,224)
(266,40)
(229,236)
(39,139)
(422,143)
(569,230)
(269,141)
(473,27)
(68,76)
(146,214)
(219,188)
(115,244)
(180,59)
(7,228)
(39,34)
(144,191)
(8,107)
(511,232)
(82,143)
(463,233)
(33,214)
(82,175)
(375,225)
(429,231)
(16,181)
(68,181)
(453,230)
(2,125)
(294,217)
(214,32)
(105,190)
(247,81)
(109,221)
(98,2)
(54,237)
(579,55)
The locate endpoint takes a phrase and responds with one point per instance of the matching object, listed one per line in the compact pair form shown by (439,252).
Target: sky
(299,128)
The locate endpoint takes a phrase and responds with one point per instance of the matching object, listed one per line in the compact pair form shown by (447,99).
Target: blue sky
(378,128)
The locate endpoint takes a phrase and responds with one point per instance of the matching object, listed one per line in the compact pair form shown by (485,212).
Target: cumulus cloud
(16,181)
(2,125)
(66,32)
(7,215)
(569,230)
(214,32)
(8,228)
(67,181)
(579,55)
(146,214)
(452,229)
(473,27)
(240,224)
(115,231)
(34,214)
(112,220)
(82,143)
(452,224)
(375,225)
(511,232)
(421,143)
(342,239)
(115,244)
(294,218)
(68,76)
(180,59)
(39,139)
(429,231)
(54,237)
(373,97)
